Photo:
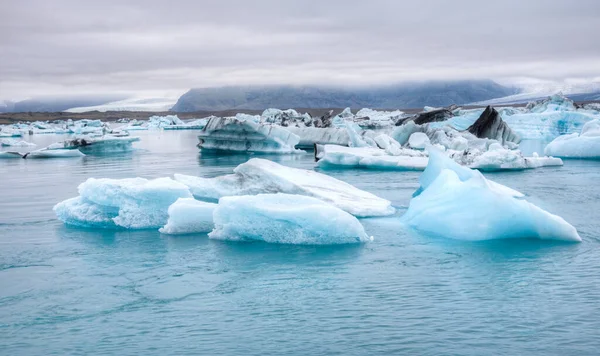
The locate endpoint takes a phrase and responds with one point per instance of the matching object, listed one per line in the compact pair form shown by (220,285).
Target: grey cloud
(133,46)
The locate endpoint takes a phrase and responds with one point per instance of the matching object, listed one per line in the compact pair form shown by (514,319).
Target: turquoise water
(74,291)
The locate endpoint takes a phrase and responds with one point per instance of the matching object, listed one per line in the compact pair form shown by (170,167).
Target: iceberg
(456,202)
(15,143)
(490,125)
(187,216)
(159,122)
(4,132)
(10,155)
(132,203)
(53,153)
(259,176)
(309,136)
(233,134)
(418,140)
(197,124)
(285,219)
(370,157)
(584,145)
(91,144)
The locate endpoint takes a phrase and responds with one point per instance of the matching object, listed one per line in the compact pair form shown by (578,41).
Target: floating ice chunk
(164,121)
(91,144)
(371,158)
(402,133)
(285,219)
(53,153)
(355,138)
(15,143)
(309,136)
(418,140)
(132,203)
(490,125)
(197,124)
(391,146)
(262,176)
(5,132)
(459,203)
(232,134)
(499,158)
(84,213)
(584,145)
(10,155)
(369,118)
(188,215)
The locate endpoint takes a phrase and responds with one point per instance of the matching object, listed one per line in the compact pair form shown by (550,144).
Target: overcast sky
(167,46)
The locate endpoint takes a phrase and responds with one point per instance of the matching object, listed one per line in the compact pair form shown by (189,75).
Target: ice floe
(234,134)
(15,143)
(286,219)
(188,215)
(575,145)
(262,176)
(132,203)
(456,202)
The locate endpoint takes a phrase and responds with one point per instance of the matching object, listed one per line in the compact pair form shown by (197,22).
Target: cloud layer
(71,46)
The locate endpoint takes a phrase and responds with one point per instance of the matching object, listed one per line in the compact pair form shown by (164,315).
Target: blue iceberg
(286,219)
(460,203)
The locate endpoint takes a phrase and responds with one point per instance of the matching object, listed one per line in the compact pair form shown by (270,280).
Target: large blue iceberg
(460,203)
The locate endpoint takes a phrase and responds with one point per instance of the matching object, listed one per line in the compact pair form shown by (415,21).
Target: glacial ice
(233,134)
(262,176)
(418,140)
(96,144)
(15,143)
(456,202)
(546,119)
(132,203)
(370,157)
(309,136)
(53,153)
(10,155)
(583,145)
(286,219)
(188,215)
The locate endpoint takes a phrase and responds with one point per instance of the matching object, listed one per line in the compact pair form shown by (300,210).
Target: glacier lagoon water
(65,290)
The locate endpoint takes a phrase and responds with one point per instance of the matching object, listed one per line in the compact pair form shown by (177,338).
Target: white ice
(262,176)
(188,215)
(418,140)
(132,203)
(285,219)
(54,153)
(460,203)
(371,157)
(583,145)
(15,143)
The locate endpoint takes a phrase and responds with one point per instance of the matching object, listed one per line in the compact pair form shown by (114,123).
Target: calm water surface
(74,291)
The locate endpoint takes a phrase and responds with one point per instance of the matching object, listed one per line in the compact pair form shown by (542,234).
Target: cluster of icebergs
(79,127)
(168,122)
(261,200)
(78,146)
(265,201)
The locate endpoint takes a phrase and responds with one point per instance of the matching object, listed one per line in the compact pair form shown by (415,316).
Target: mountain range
(407,95)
